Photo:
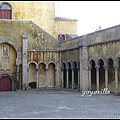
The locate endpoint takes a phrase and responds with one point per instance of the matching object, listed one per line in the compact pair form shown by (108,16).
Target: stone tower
(43,14)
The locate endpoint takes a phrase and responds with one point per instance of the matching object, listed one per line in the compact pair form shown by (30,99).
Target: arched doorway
(75,75)
(69,75)
(5,83)
(64,75)
(93,76)
(10,60)
(111,75)
(42,75)
(51,75)
(32,78)
(101,74)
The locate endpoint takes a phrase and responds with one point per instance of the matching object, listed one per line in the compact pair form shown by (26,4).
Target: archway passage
(93,76)
(5,84)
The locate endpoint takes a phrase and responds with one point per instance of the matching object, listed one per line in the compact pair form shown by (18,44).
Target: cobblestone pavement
(57,104)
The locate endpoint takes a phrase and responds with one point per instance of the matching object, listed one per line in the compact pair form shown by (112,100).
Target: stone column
(58,76)
(24,61)
(18,86)
(116,79)
(18,62)
(37,77)
(97,71)
(106,76)
(67,77)
(72,78)
(89,76)
(83,68)
(78,68)
(46,77)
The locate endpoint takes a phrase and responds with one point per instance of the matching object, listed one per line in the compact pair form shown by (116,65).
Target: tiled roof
(64,18)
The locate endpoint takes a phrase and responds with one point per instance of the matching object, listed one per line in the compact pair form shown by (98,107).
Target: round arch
(33,63)
(16,46)
(108,58)
(98,61)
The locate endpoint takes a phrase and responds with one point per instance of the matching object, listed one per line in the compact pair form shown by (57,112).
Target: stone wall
(43,14)
(65,27)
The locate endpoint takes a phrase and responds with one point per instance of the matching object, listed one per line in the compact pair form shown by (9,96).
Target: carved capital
(97,66)
(115,66)
(105,66)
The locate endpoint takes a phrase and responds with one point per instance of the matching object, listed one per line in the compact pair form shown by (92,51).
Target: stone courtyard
(62,103)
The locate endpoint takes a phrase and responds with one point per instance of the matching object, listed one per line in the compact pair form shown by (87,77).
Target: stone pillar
(37,77)
(24,61)
(78,77)
(67,77)
(18,86)
(106,76)
(72,78)
(46,77)
(116,79)
(83,68)
(58,76)
(60,64)
(18,62)
(97,73)
(89,74)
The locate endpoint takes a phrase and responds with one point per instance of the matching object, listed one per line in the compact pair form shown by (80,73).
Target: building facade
(44,53)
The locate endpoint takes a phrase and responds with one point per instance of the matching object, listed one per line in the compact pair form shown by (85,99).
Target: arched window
(5,11)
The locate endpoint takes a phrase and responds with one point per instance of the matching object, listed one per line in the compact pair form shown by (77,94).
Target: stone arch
(64,63)
(74,61)
(42,78)
(79,75)
(64,80)
(32,78)
(92,63)
(117,59)
(75,70)
(51,74)
(118,65)
(98,61)
(42,63)
(69,68)
(110,62)
(101,64)
(89,62)
(108,58)
(69,62)
(51,62)
(34,63)
(16,47)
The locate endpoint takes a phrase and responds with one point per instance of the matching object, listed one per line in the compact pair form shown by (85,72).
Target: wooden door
(5,84)
(5,14)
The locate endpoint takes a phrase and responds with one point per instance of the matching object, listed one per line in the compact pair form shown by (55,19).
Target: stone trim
(16,46)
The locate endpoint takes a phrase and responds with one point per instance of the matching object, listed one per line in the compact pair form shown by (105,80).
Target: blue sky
(90,14)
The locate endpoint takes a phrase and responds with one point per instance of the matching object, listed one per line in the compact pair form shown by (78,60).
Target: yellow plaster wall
(65,27)
(8,62)
(42,13)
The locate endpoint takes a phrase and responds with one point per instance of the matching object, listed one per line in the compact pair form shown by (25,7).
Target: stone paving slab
(57,104)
